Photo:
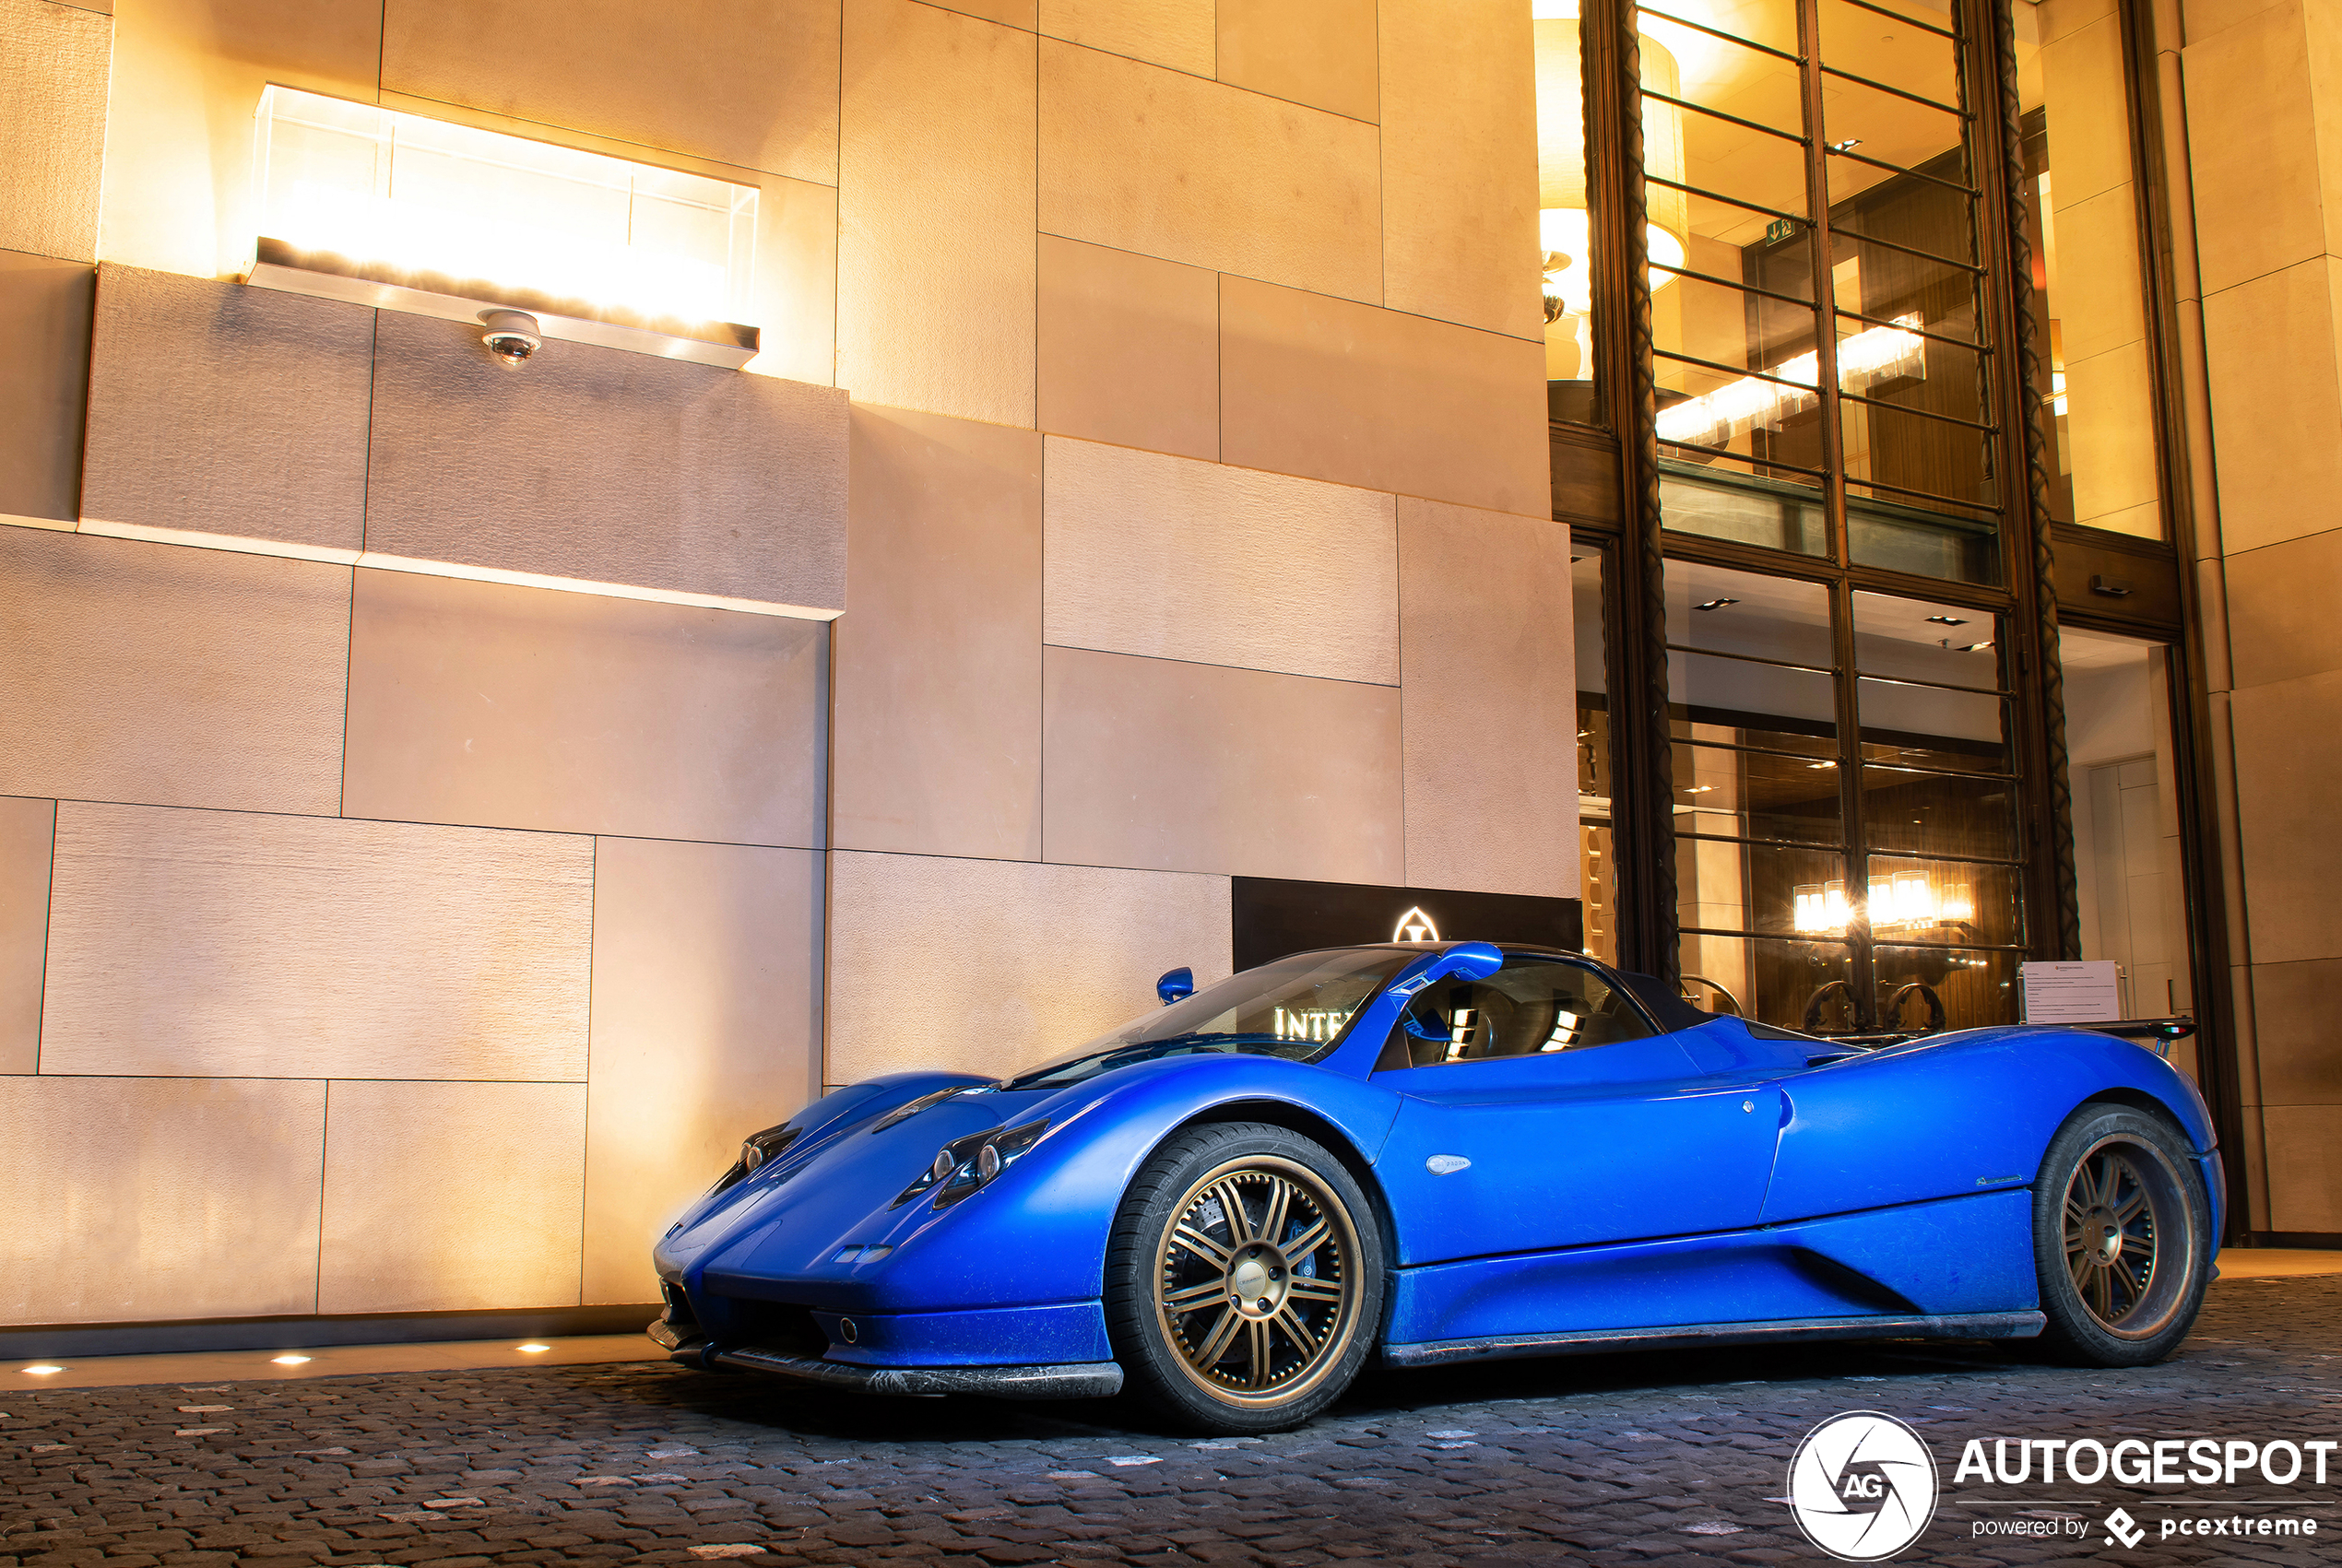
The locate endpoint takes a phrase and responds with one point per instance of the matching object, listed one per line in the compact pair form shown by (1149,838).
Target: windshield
(1296,1007)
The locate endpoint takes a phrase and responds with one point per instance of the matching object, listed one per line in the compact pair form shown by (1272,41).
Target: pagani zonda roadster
(1430,1153)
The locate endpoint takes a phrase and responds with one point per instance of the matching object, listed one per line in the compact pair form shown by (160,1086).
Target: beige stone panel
(215,408)
(44,383)
(1155,161)
(452,1196)
(707,1026)
(1460,164)
(1129,349)
(26,830)
(235,945)
(1321,53)
(169,676)
(2256,179)
(2089,122)
(498,706)
(2099,303)
(1175,559)
(187,81)
(137,1199)
(1007,12)
(937,723)
(52,127)
(1489,668)
(2110,429)
(2055,18)
(935,213)
(1332,390)
(751,83)
(1184,767)
(2280,603)
(793,285)
(1176,33)
(606,465)
(2305,1167)
(2288,751)
(2277,406)
(1018,961)
(2293,1032)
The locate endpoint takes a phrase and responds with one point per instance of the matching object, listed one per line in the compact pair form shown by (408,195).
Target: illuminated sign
(1416,927)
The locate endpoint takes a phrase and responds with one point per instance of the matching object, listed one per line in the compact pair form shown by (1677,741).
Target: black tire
(2121,1238)
(1251,1327)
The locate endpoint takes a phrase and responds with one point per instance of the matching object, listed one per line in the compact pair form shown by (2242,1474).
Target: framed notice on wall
(2085,991)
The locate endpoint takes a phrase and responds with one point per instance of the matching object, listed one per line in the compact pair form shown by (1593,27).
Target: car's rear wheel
(2121,1238)
(1244,1279)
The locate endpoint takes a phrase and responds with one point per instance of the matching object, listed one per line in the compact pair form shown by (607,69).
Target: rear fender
(1957,1114)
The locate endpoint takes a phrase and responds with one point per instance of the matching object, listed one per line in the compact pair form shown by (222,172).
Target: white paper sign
(2089,991)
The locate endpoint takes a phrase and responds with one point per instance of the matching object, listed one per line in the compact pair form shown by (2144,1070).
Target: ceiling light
(43,1369)
(534,1349)
(1948,621)
(1715,603)
(289,1360)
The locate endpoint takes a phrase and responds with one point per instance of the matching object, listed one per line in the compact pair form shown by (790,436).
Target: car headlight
(966,1163)
(757,1151)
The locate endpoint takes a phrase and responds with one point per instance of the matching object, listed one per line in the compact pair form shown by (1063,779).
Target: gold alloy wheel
(1256,1281)
(2121,1207)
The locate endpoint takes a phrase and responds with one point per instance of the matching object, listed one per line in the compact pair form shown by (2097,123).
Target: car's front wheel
(2121,1238)
(1244,1278)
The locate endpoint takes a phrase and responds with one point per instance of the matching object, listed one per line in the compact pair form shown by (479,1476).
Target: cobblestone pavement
(1653,1459)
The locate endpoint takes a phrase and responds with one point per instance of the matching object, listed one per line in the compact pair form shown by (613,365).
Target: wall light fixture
(395,210)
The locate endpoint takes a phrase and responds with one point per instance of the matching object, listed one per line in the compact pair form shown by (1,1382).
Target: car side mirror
(1176,986)
(1466,961)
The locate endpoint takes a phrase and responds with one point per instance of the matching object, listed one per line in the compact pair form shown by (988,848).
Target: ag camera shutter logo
(1862,1486)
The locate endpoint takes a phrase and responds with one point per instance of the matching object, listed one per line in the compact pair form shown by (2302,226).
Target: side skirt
(1692,1335)
(1079,1380)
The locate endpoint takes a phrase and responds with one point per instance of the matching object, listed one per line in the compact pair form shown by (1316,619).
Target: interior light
(1715,603)
(1714,418)
(289,1361)
(43,1369)
(534,1349)
(396,210)
(1947,619)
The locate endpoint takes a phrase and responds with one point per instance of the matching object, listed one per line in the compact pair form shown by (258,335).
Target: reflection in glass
(2096,387)
(1975,988)
(1758,794)
(1774,980)
(1728,885)
(1932,813)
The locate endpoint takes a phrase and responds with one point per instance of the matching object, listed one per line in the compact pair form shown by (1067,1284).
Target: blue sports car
(1429,1154)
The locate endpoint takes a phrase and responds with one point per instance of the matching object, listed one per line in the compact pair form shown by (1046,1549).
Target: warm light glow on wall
(456,211)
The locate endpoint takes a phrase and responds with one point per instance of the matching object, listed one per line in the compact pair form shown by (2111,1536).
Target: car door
(1552,1114)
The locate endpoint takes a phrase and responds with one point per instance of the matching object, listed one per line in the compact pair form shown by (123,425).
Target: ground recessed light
(534,1349)
(1715,603)
(289,1360)
(43,1369)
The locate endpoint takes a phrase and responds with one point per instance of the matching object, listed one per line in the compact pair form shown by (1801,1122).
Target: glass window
(2096,383)
(1530,1007)
(1597,856)
(1564,226)
(1296,1007)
